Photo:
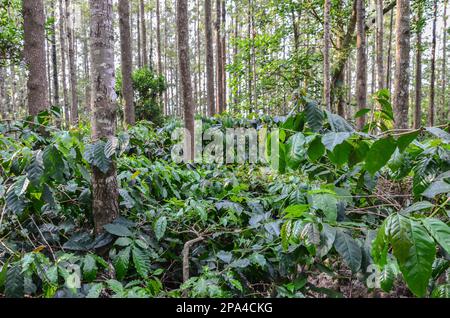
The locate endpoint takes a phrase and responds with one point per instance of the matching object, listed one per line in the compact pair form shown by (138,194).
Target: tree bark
(126,61)
(72,68)
(185,72)
(54,58)
(401,85)
(105,206)
(418,84)
(389,51)
(158,36)
(445,112)
(219,62)
(361,61)
(209,59)
(144,35)
(432,109)
(380,44)
(34,52)
(62,40)
(326,55)
(224,55)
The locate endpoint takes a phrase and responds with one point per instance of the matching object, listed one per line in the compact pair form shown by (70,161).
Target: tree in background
(126,62)
(35,57)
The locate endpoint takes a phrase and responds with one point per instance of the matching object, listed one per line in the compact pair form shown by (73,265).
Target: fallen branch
(185,253)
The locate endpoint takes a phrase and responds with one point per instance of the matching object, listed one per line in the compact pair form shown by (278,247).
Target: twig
(43,237)
(185,254)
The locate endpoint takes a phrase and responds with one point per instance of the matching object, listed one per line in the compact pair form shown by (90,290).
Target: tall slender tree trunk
(445,112)
(139,40)
(209,59)
(34,52)
(361,61)
(72,68)
(144,35)
(250,51)
(3,110)
(105,203)
(185,72)
(158,36)
(54,58)
(380,44)
(62,40)
(326,55)
(126,61)
(224,55)
(401,85)
(219,68)
(418,84)
(389,52)
(432,109)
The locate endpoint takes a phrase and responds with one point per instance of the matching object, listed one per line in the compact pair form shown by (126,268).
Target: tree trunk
(34,52)
(139,41)
(72,68)
(326,55)
(224,55)
(445,113)
(219,71)
(158,36)
(380,40)
(105,204)
(432,111)
(389,58)
(361,61)
(401,85)
(209,59)
(54,58)
(126,61)
(418,84)
(62,40)
(144,35)
(185,72)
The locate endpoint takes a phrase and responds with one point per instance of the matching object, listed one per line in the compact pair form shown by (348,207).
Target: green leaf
(95,291)
(111,147)
(123,241)
(441,291)
(35,170)
(439,231)
(387,278)
(414,250)
(327,238)
(14,202)
(349,250)
(118,230)
(141,262)
(314,116)
(316,149)
(95,155)
(442,134)
(240,263)
(14,285)
(160,227)
(332,139)
(418,206)
(327,203)
(295,150)
(405,140)
(436,188)
(339,124)
(121,263)
(89,268)
(362,112)
(379,154)
(295,211)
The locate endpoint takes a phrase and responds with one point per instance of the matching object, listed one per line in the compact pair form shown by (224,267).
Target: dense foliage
(347,213)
